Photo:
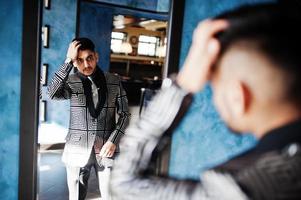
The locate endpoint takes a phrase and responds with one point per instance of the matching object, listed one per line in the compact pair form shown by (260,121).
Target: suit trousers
(77,179)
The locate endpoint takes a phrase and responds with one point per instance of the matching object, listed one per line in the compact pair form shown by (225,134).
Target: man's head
(256,80)
(87,57)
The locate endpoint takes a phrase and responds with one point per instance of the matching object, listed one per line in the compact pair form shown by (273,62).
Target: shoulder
(238,163)
(276,161)
(73,78)
(276,171)
(112,78)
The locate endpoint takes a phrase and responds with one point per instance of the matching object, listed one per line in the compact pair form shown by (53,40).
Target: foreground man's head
(256,77)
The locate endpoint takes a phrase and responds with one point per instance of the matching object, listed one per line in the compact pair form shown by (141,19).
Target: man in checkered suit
(95,98)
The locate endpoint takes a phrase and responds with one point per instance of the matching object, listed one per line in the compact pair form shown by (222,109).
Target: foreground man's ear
(241,98)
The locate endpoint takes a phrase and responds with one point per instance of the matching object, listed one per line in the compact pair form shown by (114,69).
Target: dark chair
(145,97)
(133,88)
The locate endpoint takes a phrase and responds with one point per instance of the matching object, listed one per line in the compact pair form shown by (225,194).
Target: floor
(52,173)
(52,178)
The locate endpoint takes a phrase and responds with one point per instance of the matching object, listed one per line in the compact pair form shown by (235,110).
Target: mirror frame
(29,102)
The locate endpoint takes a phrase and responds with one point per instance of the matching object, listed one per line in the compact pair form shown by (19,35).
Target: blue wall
(96,24)
(10,51)
(152,5)
(202,140)
(163,5)
(61,18)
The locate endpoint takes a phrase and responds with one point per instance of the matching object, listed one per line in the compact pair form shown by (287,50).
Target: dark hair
(86,44)
(272,28)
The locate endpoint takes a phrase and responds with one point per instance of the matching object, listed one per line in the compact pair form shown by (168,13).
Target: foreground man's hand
(202,55)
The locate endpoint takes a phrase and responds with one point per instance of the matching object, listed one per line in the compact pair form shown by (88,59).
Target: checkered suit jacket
(85,122)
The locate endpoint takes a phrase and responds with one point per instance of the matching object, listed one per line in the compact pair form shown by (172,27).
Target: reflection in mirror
(138,49)
(131,42)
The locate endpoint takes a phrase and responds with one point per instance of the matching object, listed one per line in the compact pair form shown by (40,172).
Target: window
(147,45)
(116,40)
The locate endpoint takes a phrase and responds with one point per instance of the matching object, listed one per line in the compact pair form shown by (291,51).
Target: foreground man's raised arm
(127,180)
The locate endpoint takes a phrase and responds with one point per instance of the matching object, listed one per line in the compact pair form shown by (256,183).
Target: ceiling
(121,21)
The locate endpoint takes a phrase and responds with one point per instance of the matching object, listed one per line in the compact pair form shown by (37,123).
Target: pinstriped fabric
(121,111)
(77,96)
(127,181)
(58,83)
(76,120)
(82,126)
(275,175)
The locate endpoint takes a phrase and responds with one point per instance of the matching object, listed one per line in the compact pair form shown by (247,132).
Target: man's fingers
(74,44)
(213,46)
(207,29)
(73,50)
(217,26)
(107,150)
(104,153)
(210,27)
(213,49)
(202,55)
(78,44)
(110,154)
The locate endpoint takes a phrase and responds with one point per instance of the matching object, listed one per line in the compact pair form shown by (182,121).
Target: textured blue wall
(10,51)
(163,5)
(61,18)
(141,4)
(96,23)
(202,140)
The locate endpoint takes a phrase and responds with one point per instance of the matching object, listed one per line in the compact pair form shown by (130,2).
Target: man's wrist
(172,81)
(68,60)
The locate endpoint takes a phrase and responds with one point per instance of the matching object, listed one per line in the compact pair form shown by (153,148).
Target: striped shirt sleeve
(123,115)
(128,181)
(58,88)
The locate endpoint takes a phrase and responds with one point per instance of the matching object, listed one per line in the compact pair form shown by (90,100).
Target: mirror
(95,19)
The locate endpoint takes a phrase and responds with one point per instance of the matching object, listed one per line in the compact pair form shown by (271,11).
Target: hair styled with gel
(86,44)
(272,29)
